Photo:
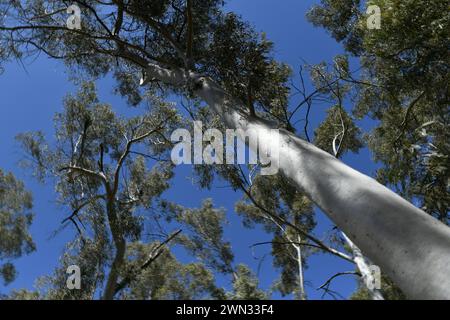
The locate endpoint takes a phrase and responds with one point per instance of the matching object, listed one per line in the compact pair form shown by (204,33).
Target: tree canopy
(111,170)
(15,219)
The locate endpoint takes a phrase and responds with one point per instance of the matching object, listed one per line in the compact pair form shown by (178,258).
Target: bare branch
(119,21)
(326,285)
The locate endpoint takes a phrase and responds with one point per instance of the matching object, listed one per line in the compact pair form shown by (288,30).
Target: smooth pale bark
(364,268)
(408,244)
(301,282)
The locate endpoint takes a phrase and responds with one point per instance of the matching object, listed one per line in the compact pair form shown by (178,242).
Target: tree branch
(299,230)
(154,254)
(190,37)
(86,172)
(326,285)
(85,203)
(127,152)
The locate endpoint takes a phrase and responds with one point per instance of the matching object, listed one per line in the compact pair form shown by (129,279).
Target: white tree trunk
(409,245)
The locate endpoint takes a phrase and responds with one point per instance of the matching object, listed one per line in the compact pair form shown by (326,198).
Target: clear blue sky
(30,96)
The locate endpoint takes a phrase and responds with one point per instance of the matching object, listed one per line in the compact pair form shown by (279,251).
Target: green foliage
(15,220)
(245,285)
(91,256)
(8,272)
(203,233)
(97,151)
(167,278)
(340,19)
(22,294)
(405,87)
(274,196)
(223,46)
(339,130)
(101,166)
(246,68)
